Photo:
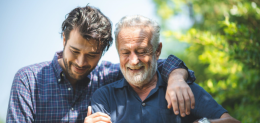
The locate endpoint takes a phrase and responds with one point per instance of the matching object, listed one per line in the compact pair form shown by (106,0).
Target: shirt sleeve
(20,109)
(166,66)
(205,105)
(109,72)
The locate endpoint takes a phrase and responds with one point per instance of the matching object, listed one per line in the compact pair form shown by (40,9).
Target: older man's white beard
(141,78)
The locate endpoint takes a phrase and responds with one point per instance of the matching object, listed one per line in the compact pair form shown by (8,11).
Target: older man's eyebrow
(122,49)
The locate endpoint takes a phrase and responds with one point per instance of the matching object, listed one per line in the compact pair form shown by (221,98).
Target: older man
(139,97)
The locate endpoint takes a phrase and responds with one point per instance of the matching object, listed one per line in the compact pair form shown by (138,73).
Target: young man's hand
(178,93)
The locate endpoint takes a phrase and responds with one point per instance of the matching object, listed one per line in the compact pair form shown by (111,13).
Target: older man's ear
(158,50)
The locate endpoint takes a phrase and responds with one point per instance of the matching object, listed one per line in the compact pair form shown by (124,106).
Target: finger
(181,104)
(102,122)
(94,118)
(101,119)
(168,101)
(100,114)
(89,111)
(174,103)
(192,99)
(187,102)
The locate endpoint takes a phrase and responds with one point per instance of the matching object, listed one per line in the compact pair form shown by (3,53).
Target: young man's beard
(69,72)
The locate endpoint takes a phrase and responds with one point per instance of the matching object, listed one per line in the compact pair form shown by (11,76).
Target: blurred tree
(223,49)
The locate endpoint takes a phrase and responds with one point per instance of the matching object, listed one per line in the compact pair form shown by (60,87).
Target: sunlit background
(219,40)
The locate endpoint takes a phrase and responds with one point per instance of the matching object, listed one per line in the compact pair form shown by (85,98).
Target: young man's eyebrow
(79,50)
(94,52)
(74,48)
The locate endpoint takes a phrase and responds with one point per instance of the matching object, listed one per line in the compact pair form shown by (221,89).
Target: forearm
(225,120)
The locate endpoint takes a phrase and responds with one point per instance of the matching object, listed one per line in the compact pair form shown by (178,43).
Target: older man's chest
(127,107)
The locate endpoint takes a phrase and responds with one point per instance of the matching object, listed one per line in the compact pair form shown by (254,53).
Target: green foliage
(224,49)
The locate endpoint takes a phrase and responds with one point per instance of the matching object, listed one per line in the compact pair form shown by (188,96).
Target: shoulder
(110,87)
(30,72)
(205,105)
(107,65)
(107,90)
(34,67)
(196,89)
(200,93)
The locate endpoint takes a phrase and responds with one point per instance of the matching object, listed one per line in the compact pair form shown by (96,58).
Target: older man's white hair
(139,22)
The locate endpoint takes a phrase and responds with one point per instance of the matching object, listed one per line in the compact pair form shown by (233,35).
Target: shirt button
(62,75)
(143,104)
(69,89)
(72,109)
(59,80)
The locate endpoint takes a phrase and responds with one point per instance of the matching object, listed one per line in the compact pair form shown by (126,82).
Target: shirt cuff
(172,63)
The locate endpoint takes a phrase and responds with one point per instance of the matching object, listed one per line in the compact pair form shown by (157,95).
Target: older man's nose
(133,59)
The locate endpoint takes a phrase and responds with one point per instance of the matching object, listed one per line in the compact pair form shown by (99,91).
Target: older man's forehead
(134,33)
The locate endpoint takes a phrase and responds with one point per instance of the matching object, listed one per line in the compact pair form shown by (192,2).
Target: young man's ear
(158,50)
(64,39)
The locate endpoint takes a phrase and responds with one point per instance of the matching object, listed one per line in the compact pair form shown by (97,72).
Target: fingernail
(183,115)
(188,113)
(176,112)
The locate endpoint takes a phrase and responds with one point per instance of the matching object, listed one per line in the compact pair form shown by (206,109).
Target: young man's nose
(82,61)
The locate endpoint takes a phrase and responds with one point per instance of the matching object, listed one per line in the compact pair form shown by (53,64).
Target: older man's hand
(97,117)
(178,94)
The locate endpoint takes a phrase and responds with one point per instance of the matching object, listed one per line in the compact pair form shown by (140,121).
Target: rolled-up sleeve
(166,66)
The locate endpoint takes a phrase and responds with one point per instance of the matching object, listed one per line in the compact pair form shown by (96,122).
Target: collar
(56,66)
(123,83)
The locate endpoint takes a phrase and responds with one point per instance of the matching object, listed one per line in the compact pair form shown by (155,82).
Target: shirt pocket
(169,117)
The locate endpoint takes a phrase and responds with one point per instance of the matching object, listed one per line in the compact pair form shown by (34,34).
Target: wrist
(204,120)
(176,76)
(179,73)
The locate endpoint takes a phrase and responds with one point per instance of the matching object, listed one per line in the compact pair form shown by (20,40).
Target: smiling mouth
(80,70)
(135,69)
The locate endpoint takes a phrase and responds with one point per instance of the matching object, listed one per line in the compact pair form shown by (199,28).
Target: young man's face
(80,56)
(137,59)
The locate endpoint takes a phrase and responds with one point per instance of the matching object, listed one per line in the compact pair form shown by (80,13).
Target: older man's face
(138,62)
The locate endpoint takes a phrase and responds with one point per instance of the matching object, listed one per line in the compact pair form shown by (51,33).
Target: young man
(139,97)
(60,90)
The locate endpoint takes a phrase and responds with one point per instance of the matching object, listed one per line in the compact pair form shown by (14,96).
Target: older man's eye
(142,52)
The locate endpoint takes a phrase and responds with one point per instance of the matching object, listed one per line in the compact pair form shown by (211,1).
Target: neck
(144,90)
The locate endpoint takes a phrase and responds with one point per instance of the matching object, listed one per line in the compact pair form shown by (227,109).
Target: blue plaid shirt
(41,93)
